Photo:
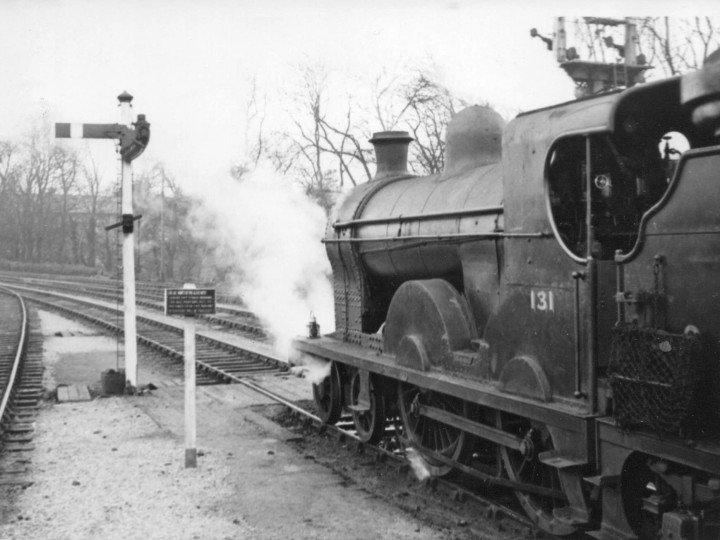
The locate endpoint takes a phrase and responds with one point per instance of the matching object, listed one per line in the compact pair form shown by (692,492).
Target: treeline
(55,205)
(49,204)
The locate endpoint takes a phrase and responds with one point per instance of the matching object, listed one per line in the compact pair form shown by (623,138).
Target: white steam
(314,370)
(418,464)
(267,233)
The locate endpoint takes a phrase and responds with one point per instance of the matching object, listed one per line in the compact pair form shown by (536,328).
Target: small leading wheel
(328,396)
(525,467)
(370,425)
(424,432)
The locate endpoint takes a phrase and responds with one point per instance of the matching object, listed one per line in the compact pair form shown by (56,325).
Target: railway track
(20,386)
(221,361)
(228,311)
(110,284)
(218,360)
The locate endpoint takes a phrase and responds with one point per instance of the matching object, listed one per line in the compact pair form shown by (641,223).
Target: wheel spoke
(370,424)
(438,433)
(522,467)
(430,434)
(528,469)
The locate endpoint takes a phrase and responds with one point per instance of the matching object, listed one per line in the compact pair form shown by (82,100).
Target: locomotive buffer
(132,143)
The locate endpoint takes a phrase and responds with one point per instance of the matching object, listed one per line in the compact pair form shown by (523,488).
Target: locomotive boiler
(544,314)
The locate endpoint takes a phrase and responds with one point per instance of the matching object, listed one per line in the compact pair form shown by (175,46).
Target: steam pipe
(420,217)
(458,236)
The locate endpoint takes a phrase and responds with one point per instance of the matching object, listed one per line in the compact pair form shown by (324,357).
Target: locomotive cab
(617,189)
(619,173)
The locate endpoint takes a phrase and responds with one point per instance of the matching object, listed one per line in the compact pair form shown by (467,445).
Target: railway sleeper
(19,427)
(21,403)
(247,370)
(22,414)
(234,362)
(37,392)
(17,437)
(221,358)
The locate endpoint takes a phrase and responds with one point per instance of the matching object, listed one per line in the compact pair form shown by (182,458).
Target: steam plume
(268,233)
(312,369)
(417,463)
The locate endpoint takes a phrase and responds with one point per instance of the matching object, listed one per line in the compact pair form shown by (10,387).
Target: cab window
(620,186)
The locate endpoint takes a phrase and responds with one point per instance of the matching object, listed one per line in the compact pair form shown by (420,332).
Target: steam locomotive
(545,313)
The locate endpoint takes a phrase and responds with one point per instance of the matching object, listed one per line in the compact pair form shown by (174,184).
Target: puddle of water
(80,356)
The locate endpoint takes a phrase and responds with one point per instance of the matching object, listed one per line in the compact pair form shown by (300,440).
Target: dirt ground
(113,467)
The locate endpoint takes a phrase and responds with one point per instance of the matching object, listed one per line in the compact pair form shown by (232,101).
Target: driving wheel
(524,466)
(370,424)
(427,433)
(328,396)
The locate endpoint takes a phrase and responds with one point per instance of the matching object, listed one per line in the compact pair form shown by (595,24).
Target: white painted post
(190,420)
(125,100)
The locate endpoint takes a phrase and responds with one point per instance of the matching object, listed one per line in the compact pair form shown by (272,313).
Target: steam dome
(474,139)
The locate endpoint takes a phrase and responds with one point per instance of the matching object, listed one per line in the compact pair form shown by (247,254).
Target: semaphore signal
(133,138)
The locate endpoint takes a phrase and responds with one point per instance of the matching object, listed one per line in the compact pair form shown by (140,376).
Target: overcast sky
(189,63)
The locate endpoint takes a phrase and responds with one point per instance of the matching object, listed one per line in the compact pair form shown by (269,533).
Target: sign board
(189,301)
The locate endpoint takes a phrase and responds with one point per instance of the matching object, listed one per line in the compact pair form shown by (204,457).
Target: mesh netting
(654,378)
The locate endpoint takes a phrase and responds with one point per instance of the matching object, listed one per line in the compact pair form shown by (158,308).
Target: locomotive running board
(483,393)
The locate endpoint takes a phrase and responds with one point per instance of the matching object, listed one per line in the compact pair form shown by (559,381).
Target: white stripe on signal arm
(76,131)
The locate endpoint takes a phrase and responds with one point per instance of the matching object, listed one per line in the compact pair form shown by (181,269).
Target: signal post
(132,143)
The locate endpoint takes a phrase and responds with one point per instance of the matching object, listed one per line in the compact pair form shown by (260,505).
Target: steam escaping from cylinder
(417,463)
(314,370)
(267,233)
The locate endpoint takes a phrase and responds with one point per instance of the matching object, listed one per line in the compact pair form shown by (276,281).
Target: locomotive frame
(541,314)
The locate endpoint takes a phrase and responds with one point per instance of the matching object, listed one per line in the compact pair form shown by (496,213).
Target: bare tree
(321,153)
(672,45)
(326,151)
(679,45)
(418,104)
(8,167)
(34,185)
(254,126)
(92,177)
(10,171)
(257,145)
(166,246)
(430,107)
(65,165)
(327,146)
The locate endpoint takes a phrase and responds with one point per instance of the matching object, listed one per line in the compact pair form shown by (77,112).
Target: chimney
(391,151)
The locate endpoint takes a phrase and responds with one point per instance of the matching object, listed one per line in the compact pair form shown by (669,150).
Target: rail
(10,386)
